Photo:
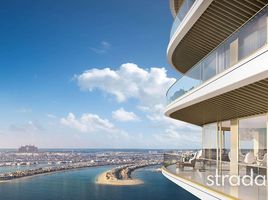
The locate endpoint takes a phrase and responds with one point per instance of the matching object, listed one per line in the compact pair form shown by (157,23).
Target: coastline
(103,180)
(46,174)
(120,175)
(28,177)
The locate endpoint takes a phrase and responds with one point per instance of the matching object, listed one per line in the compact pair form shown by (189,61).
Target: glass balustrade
(214,175)
(251,37)
(183,10)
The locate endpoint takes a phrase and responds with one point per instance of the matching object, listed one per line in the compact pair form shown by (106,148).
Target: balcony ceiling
(245,101)
(219,21)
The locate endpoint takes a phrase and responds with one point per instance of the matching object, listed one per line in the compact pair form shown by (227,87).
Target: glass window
(210,141)
(252,140)
(253,36)
(209,66)
(225,143)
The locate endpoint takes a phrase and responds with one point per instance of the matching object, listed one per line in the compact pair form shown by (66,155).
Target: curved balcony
(182,12)
(251,37)
(202,27)
(195,179)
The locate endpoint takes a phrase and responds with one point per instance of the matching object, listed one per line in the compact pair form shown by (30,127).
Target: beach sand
(101,179)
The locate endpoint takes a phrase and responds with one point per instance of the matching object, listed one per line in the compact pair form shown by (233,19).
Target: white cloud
(51,116)
(149,87)
(103,47)
(176,133)
(129,81)
(124,116)
(105,44)
(87,123)
(186,137)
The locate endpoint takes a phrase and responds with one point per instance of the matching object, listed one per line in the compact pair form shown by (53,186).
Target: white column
(234,147)
(234,170)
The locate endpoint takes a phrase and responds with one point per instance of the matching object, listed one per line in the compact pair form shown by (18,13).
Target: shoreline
(48,173)
(121,176)
(32,176)
(103,180)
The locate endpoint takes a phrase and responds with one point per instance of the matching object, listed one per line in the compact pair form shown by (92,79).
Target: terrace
(198,178)
(246,41)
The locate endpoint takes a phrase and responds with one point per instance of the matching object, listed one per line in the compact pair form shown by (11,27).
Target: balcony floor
(200,177)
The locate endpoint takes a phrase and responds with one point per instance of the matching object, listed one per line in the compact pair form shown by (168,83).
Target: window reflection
(210,141)
(252,145)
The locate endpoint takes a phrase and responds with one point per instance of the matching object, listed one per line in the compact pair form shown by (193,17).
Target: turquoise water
(80,185)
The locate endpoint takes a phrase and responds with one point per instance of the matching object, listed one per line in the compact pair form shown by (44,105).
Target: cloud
(129,81)
(105,44)
(185,137)
(148,87)
(87,123)
(176,133)
(29,126)
(124,116)
(103,47)
(51,116)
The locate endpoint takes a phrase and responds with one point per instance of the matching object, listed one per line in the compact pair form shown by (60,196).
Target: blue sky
(64,72)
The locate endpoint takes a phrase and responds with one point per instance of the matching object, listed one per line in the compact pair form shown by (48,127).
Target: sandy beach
(101,179)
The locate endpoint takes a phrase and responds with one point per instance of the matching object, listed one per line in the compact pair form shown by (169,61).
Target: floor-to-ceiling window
(252,145)
(210,141)
(224,140)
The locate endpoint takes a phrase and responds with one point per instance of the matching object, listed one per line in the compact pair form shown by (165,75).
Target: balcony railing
(251,37)
(183,10)
(215,175)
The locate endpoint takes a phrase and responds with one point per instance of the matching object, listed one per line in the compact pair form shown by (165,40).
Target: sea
(80,184)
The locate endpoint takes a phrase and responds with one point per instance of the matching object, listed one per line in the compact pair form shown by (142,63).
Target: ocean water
(80,185)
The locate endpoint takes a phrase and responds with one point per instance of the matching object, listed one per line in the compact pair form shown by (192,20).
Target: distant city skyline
(81,76)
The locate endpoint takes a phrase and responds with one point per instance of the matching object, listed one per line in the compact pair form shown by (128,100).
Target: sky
(87,74)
